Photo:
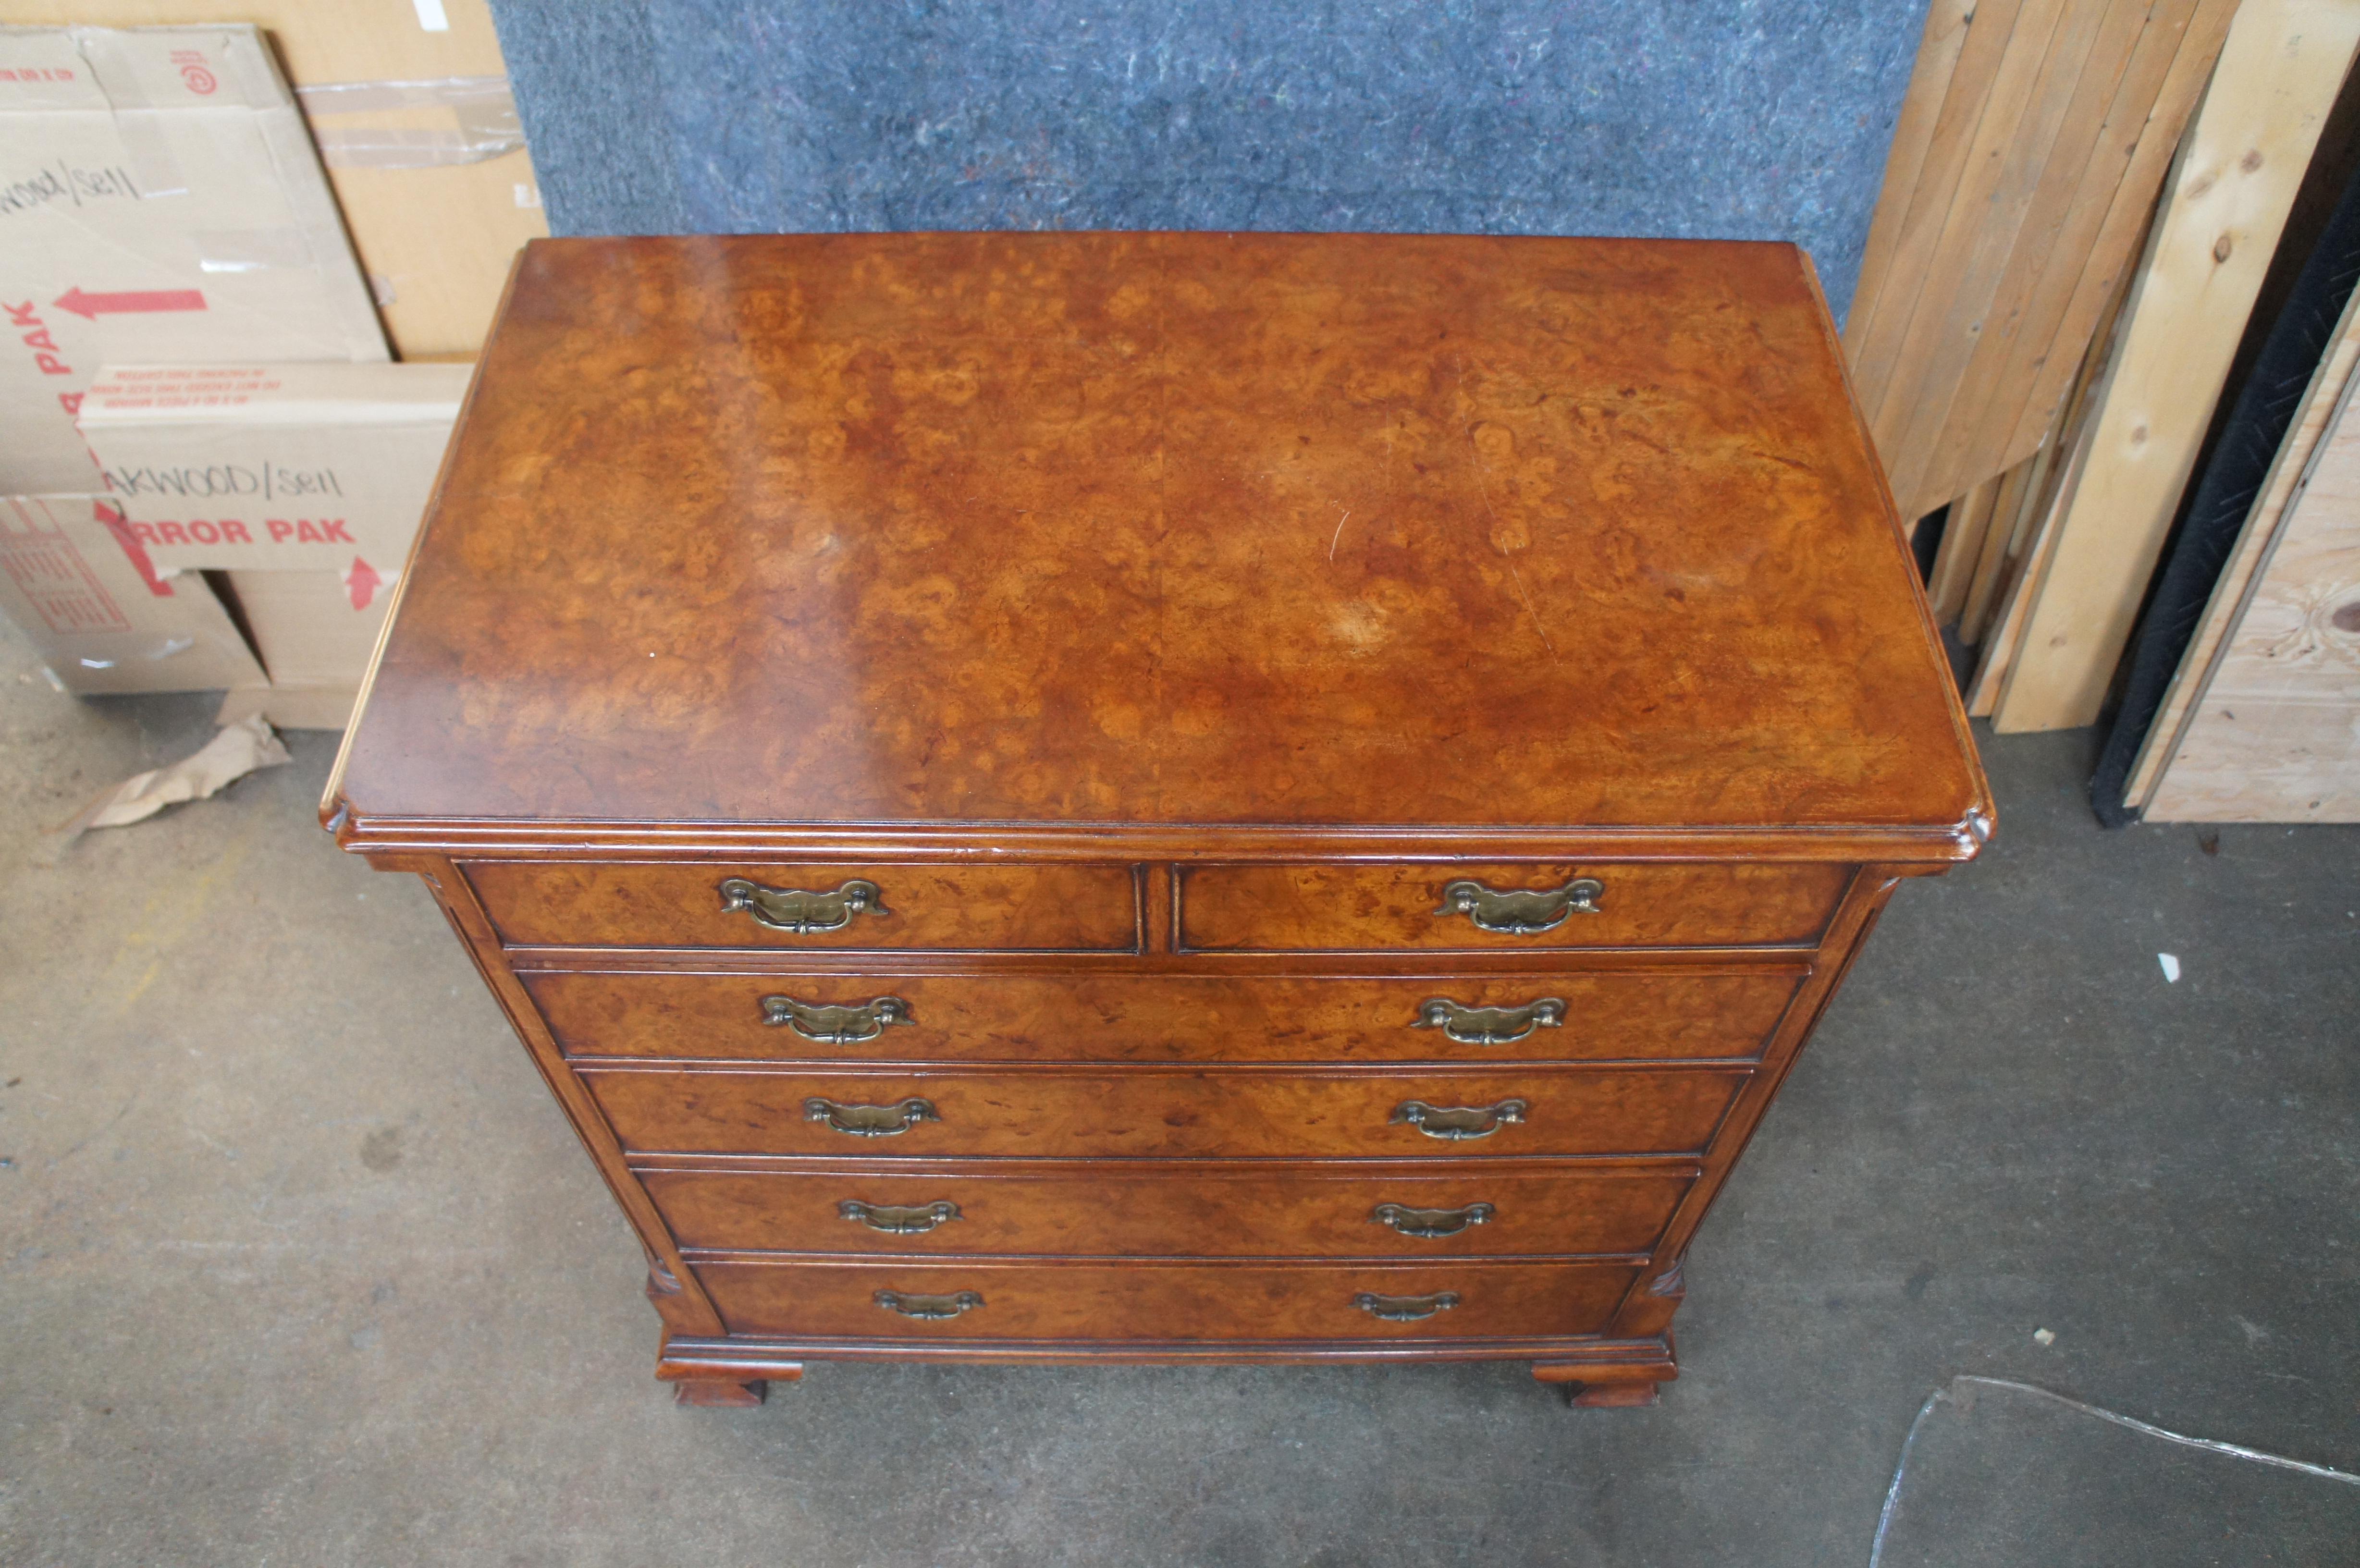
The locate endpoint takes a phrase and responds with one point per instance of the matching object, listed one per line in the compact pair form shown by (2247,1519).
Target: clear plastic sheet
(1995,1472)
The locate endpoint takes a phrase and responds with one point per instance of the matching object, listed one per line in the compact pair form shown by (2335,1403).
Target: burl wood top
(1163,529)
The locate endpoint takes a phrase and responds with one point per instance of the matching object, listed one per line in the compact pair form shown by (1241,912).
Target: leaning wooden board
(1180,797)
(2227,201)
(2274,737)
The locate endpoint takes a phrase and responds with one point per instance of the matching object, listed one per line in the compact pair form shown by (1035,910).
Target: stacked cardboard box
(97,614)
(164,212)
(300,485)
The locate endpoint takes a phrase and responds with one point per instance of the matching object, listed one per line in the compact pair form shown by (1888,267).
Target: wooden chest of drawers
(1161,797)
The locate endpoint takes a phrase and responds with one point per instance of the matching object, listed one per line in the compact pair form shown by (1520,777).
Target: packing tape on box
(154,171)
(480,110)
(251,250)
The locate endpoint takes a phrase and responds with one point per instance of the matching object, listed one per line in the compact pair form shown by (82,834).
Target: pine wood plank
(2068,446)
(2050,196)
(2143,128)
(1921,105)
(2224,205)
(2006,638)
(1961,547)
(2329,388)
(1874,354)
(2276,737)
(2012,516)
(2044,59)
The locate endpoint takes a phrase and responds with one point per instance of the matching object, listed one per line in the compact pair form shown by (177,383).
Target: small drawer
(1099,1018)
(1151,1112)
(1145,1302)
(1060,909)
(1480,1208)
(1316,908)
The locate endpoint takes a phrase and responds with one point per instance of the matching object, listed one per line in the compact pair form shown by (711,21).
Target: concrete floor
(301,1266)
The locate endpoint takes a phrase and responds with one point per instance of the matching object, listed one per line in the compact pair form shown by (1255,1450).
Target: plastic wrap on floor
(1996,1472)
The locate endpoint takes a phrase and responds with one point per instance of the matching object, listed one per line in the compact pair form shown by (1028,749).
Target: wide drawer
(1311,908)
(1149,1302)
(1067,909)
(1005,1017)
(1480,1208)
(1151,1112)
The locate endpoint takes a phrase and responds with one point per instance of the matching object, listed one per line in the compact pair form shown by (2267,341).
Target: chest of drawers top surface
(1116,534)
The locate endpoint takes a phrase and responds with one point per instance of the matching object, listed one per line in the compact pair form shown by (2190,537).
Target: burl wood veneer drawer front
(1164,1301)
(1152,1113)
(1068,909)
(1004,1018)
(1173,1211)
(1311,908)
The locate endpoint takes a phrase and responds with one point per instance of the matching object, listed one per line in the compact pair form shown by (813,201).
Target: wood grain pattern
(1174,1209)
(987,528)
(1315,907)
(2323,400)
(2032,141)
(2228,198)
(1172,1018)
(1971,518)
(1114,593)
(1938,48)
(2275,737)
(2013,511)
(1053,907)
(1156,1112)
(1140,1300)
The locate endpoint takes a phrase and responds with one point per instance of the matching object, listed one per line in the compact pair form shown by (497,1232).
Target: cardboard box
(411,113)
(318,468)
(100,616)
(315,631)
(160,201)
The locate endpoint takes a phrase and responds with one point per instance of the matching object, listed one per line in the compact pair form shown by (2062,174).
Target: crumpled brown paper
(238,750)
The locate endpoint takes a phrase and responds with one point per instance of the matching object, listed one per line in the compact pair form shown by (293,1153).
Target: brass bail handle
(931,1308)
(1459,1123)
(1405,1309)
(1488,1026)
(871,1121)
(897,1220)
(802,909)
(833,1023)
(1428,1225)
(1519,911)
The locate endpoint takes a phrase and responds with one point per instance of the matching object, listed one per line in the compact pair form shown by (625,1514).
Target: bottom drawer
(1197,1301)
(1478,1208)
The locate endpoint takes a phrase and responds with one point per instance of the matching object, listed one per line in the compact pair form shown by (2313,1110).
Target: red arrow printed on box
(90,307)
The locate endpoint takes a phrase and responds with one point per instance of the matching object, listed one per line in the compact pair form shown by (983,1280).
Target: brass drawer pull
(1428,1224)
(798,910)
(870,1121)
(831,1024)
(1405,1309)
(1459,1123)
(931,1308)
(1483,1026)
(895,1221)
(1519,912)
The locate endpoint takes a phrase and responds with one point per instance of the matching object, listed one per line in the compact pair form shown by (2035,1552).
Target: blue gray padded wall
(1749,119)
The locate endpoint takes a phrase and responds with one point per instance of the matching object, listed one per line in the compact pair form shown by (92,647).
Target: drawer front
(1164,1300)
(1284,909)
(1067,909)
(1151,1112)
(1473,1209)
(1017,1018)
